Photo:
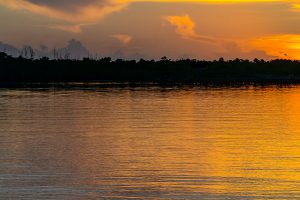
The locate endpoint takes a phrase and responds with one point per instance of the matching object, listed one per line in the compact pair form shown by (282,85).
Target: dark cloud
(74,50)
(69,5)
(75,11)
(9,49)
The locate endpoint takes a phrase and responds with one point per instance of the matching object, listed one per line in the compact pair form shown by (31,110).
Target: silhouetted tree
(26,68)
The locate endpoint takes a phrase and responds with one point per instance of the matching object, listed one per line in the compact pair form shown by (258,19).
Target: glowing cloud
(124,39)
(185,27)
(280,46)
(71,28)
(69,11)
(89,11)
(79,12)
(296,7)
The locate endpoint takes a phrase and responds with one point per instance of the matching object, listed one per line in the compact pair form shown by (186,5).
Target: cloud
(69,28)
(74,50)
(9,49)
(89,11)
(296,7)
(74,11)
(65,4)
(285,46)
(124,39)
(185,27)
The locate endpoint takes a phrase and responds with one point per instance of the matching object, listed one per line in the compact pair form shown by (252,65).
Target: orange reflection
(171,142)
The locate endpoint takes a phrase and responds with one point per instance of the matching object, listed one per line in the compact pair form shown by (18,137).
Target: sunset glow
(280,46)
(150,99)
(223,28)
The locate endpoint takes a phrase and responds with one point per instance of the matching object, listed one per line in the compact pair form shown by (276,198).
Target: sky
(150,29)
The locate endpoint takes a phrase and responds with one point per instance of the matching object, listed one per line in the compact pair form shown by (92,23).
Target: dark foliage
(24,70)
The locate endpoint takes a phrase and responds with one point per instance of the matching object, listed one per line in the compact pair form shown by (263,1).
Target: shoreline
(21,71)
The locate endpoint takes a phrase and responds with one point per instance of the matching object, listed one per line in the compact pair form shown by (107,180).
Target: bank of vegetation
(164,71)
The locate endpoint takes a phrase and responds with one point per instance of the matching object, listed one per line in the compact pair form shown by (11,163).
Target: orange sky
(205,29)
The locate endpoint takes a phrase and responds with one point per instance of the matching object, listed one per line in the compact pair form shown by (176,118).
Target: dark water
(150,143)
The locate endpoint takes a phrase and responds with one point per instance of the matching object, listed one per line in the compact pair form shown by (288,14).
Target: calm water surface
(150,143)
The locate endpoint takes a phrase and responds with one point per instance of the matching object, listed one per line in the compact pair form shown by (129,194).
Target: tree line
(44,70)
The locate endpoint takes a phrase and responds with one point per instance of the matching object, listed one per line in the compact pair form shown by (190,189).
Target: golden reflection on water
(151,143)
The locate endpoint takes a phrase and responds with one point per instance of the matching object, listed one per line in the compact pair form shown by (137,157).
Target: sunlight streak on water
(150,143)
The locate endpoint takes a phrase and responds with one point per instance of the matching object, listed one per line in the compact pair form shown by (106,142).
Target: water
(150,143)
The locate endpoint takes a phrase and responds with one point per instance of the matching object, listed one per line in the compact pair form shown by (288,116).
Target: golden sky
(205,29)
